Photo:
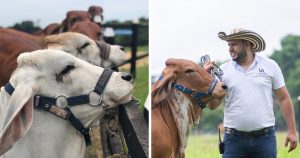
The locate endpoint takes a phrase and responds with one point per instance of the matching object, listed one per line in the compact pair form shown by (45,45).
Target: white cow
(87,49)
(27,132)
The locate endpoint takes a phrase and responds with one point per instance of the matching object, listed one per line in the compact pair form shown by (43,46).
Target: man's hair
(247,43)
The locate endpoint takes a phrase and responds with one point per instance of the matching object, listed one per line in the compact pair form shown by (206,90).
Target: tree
(26,26)
(143,32)
(288,59)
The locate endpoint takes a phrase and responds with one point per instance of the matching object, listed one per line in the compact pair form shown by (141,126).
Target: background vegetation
(143,30)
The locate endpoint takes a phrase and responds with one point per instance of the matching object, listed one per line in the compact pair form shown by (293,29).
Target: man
(248,113)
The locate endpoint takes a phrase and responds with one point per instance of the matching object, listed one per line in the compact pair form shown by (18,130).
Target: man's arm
(287,109)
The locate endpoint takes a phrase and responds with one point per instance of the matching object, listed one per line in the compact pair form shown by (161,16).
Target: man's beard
(241,57)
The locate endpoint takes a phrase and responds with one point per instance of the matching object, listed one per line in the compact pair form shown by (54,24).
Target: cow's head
(187,74)
(97,13)
(73,17)
(50,29)
(85,48)
(93,31)
(55,73)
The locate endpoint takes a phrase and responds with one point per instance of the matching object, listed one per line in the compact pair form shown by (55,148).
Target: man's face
(237,50)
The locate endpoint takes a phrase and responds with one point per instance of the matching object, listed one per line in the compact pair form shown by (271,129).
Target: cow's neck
(49,136)
(179,109)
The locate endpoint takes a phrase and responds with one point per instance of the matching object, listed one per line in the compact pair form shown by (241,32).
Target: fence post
(134,43)
(298,99)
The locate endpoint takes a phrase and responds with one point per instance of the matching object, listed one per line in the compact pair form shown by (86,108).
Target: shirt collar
(240,68)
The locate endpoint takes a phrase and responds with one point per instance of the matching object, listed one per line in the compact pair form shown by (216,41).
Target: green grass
(141,83)
(144,48)
(206,146)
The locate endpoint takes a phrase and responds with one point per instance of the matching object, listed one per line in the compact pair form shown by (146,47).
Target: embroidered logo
(261,70)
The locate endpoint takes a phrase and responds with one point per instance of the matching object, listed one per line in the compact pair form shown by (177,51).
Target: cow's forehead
(46,59)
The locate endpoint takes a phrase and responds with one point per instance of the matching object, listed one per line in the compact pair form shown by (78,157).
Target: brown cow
(51,29)
(81,21)
(97,13)
(175,109)
(74,16)
(88,28)
(13,43)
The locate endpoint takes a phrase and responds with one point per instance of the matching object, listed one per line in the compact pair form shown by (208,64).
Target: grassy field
(139,49)
(206,146)
(141,83)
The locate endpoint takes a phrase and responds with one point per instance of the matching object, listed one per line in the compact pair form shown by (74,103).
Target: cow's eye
(67,69)
(72,22)
(189,71)
(85,45)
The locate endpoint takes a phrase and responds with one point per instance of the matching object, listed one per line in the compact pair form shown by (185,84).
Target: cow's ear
(162,88)
(63,26)
(16,115)
(52,40)
(53,31)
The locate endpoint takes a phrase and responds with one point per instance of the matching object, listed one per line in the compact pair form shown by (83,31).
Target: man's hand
(291,139)
(208,65)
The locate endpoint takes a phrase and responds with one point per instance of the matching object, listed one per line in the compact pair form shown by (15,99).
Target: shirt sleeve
(278,79)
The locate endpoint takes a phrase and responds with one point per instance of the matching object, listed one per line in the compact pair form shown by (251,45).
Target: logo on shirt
(261,70)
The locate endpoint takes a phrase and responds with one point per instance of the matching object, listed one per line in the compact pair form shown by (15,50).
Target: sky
(45,12)
(188,28)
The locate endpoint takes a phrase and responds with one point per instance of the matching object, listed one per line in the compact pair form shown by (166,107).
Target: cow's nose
(122,48)
(126,76)
(224,87)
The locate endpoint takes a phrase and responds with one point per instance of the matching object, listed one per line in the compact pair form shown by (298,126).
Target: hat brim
(257,41)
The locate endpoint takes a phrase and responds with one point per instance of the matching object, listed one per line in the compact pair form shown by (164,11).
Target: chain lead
(216,70)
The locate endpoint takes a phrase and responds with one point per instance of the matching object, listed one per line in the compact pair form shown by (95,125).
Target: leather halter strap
(49,104)
(104,49)
(194,93)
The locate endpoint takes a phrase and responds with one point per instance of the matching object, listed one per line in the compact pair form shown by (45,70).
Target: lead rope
(215,71)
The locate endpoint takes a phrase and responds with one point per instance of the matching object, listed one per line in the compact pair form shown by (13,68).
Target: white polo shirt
(249,102)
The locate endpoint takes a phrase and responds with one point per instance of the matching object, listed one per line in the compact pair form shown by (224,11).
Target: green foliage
(288,55)
(210,119)
(288,59)
(141,86)
(141,83)
(26,26)
(143,32)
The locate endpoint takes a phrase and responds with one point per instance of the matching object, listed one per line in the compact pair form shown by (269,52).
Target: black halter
(194,93)
(49,104)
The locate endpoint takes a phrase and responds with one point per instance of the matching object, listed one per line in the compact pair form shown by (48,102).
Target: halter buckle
(64,102)
(36,101)
(99,101)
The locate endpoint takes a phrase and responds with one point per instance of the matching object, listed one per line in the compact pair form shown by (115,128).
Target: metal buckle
(36,101)
(63,101)
(99,101)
